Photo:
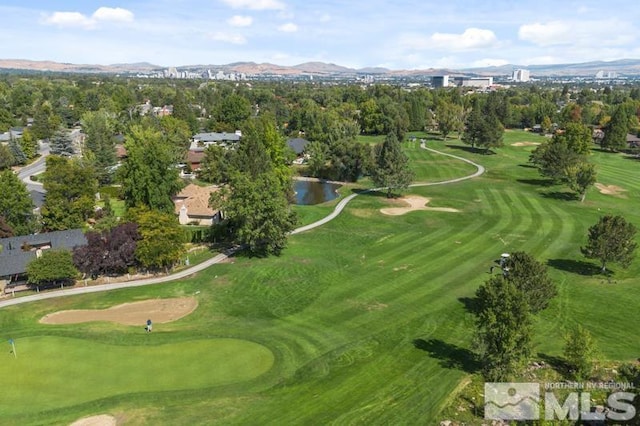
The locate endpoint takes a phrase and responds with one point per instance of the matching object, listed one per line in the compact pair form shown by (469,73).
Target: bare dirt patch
(610,189)
(525,144)
(135,313)
(415,202)
(101,420)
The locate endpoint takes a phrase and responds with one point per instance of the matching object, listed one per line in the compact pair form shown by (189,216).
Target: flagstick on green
(13,346)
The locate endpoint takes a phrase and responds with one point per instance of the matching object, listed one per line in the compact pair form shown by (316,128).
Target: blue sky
(403,34)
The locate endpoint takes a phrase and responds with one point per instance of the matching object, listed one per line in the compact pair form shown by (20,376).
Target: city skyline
(407,34)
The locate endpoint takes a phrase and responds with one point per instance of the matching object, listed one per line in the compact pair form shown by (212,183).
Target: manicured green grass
(431,167)
(72,371)
(366,316)
(370,139)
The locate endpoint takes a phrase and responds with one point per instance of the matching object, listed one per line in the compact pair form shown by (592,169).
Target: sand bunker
(136,313)
(102,420)
(525,144)
(415,202)
(609,189)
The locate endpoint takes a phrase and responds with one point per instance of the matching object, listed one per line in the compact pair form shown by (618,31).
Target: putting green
(52,372)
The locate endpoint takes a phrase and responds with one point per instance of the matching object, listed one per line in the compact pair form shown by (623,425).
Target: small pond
(312,192)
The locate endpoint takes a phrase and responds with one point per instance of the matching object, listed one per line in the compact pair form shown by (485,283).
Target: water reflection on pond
(312,192)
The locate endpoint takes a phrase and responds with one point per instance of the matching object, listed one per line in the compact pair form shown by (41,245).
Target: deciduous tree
(581,178)
(28,144)
(257,212)
(45,122)
(504,329)
(449,117)
(215,165)
(611,240)
(483,130)
(52,267)
(16,205)
(6,157)
(71,187)
(579,353)
(149,175)
(161,241)
(531,278)
(108,252)
(5,229)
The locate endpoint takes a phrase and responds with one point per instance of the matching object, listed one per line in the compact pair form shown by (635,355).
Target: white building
(521,75)
(606,74)
(480,82)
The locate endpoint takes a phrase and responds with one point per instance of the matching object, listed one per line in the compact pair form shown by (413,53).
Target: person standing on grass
(149,326)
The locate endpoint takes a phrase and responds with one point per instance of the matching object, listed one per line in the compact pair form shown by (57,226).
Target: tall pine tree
(391,166)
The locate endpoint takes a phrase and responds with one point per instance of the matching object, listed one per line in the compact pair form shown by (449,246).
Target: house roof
(196,199)
(121,151)
(216,137)
(13,133)
(632,138)
(297,145)
(14,260)
(195,157)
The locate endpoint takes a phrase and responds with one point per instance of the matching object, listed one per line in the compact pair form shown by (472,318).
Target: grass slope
(366,316)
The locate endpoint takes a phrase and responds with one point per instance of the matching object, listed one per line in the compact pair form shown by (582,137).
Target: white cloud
(113,14)
(289,27)
(228,38)
(470,39)
(240,21)
(578,33)
(255,4)
(68,19)
(551,33)
(325,17)
(77,19)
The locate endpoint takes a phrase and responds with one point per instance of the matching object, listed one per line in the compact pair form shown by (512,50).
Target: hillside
(623,67)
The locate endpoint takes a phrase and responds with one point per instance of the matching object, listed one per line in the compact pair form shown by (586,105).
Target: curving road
(35,168)
(221,257)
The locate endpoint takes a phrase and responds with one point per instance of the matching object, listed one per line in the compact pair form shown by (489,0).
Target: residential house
(145,108)
(192,206)
(298,145)
(633,141)
(121,151)
(163,111)
(227,140)
(17,252)
(13,133)
(597,135)
(194,159)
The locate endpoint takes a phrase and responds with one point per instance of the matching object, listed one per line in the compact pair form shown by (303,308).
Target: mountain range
(623,67)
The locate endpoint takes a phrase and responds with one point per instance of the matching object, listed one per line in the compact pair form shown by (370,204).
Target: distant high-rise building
(521,75)
(440,81)
(606,74)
